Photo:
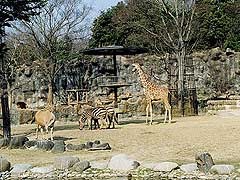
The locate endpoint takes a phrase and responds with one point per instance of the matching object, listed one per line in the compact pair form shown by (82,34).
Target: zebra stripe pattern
(106,116)
(93,114)
(111,116)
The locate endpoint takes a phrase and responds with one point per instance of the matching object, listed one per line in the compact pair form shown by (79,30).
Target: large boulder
(20,168)
(215,54)
(25,116)
(222,169)
(204,161)
(30,144)
(104,146)
(89,145)
(65,162)
(59,146)
(4,164)
(81,166)
(96,142)
(18,142)
(42,170)
(122,162)
(72,147)
(165,166)
(188,168)
(45,145)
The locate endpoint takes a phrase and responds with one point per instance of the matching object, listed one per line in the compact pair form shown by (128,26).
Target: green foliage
(104,30)
(216,23)
(219,24)
(119,25)
(11,10)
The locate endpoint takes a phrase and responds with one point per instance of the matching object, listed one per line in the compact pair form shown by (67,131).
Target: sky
(100,5)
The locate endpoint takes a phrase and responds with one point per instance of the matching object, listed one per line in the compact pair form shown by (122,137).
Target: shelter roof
(114,50)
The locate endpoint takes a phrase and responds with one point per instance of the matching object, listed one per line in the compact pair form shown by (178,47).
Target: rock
(4,164)
(204,161)
(17,142)
(98,165)
(81,166)
(71,147)
(24,115)
(65,162)
(122,162)
(42,170)
(45,145)
(89,145)
(59,146)
(229,52)
(96,142)
(188,168)
(20,168)
(104,146)
(215,54)
(3,142)
(165,166)
(222,169)
(30,144)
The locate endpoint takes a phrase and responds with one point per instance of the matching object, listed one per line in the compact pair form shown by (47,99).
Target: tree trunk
(5,111)
(10,96)
(181,58)
(4,95)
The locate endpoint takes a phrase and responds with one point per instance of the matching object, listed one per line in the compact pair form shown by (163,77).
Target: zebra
(106,115)
(93,114)
(111,116)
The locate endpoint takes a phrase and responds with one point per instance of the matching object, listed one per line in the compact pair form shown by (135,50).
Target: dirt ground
(178,141)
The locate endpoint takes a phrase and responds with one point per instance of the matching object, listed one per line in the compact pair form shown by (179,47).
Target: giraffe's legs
(168,110)
(170,115)
(151,113)
(147,113)
(165,118)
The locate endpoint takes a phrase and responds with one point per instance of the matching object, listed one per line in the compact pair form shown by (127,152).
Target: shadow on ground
(66,127)
(56,128)
(142,121)
(62,138)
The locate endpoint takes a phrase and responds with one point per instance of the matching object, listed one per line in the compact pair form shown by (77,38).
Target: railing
(112,80)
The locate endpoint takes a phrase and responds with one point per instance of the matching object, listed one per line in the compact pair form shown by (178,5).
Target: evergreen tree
(219,24)
(11,10)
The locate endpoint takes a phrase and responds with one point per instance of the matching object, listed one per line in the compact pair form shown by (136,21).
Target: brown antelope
(44,119)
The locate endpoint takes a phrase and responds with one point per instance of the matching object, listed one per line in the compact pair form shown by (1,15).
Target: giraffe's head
(135,67)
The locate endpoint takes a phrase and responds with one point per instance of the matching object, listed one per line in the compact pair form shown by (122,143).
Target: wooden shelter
(113,51)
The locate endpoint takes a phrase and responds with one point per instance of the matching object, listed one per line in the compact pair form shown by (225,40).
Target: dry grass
(179,141)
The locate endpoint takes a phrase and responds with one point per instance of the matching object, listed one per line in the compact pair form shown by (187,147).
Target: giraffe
(153,92)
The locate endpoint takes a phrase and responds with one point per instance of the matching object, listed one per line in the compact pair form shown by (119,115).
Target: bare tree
(175,30)
(52,34)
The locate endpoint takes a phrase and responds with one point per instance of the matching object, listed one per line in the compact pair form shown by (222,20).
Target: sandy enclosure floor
(178,141)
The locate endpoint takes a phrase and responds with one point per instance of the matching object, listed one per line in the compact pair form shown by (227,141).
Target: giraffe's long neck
(143,77)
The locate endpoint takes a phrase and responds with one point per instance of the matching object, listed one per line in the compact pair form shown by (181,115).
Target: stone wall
(210,67)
